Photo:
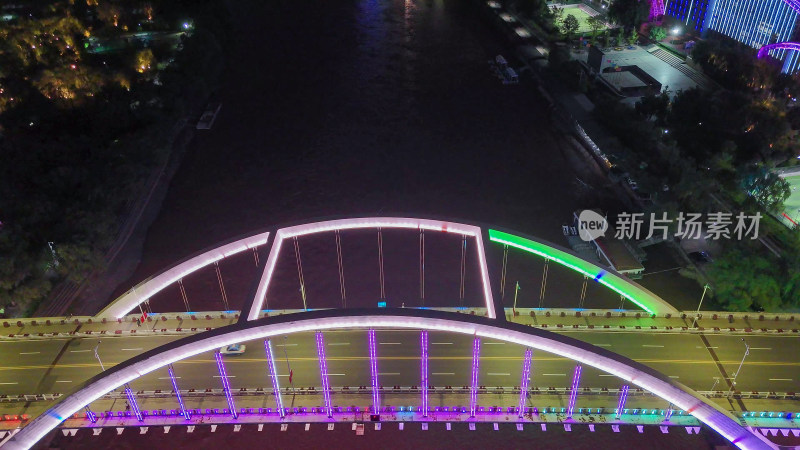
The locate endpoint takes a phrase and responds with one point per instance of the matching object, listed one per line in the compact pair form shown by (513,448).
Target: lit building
(753,22)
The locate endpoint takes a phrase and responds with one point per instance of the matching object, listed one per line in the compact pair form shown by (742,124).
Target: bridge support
(476,357)
(226,387)
(623,396)
(184,413)
(273,375)
(373,367)
(424,370)
(576,380)
(323,372)
(132,403)
(525,382)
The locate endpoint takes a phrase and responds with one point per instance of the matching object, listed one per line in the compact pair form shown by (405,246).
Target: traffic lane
(22,353)
(762,348)
(638,346)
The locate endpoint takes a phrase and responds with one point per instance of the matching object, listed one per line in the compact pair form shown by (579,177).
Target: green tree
(743,280)
(629,13)
(595,24)
(634,36)
(570,26)
(657,34)
(766,188)
(606,39)
(620,36)
(654,106)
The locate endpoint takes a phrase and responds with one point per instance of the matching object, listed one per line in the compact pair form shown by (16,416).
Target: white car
(233,349)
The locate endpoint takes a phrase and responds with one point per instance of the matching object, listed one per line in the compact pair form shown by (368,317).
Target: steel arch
(681,396)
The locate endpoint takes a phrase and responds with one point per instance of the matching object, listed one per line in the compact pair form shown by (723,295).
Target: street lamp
(96,355)
(736,374)
(516,291)
(697,315)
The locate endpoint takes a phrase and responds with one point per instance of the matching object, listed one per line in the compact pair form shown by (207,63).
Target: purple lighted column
(523,386)
(424,370)
(226,387)
(132,402)
(273,375)
(373,368)
(323,372)
(473,394)
(573,394)
(623,395)
(184,413)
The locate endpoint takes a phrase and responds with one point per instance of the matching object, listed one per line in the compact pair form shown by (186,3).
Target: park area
(582,13)
(791,207)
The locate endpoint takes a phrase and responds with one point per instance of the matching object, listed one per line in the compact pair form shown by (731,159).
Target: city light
(273,375)
(573,393)
(226,387)
(323,372)
(473,394)
(373,366)
(525,383)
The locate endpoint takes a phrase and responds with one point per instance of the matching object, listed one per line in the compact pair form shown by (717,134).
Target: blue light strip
(273,375)
(424,369)
(573,394)
(184,413)
(226,387)
(132,402)
(623,396)
(526,375)
(323,372)
(476,356)
(373,367)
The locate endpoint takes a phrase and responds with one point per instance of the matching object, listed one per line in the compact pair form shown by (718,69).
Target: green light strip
(614,282)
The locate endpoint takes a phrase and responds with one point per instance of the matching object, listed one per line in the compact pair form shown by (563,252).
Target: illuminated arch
(680,396)
(763,51)
(637,294)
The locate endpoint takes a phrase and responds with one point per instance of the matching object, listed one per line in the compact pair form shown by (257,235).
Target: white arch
(148,288)
(721,421)
(370,222)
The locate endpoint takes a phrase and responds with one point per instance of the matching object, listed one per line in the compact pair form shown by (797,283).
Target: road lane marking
(442,373)
(390,343)
(441,343)
(780,379)
(130,349)
(674,376)
(648,345)
(29,353)
(703,346)
(760,348)
(285,345)
(167,378)
(339,343)
(554,374)
(79,351)
(494,343)
(603,345)
(606,375)
(220,376)
(389,373)
(63,381)
(499,374)
(10,383)
(336,374)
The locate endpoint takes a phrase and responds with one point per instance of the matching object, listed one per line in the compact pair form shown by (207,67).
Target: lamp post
(516,291)
(97,355)
(736,374)
(697,314)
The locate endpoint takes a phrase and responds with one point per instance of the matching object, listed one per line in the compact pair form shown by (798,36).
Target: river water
(364,107)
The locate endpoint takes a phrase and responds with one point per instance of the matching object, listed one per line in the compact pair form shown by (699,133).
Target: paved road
(60,365)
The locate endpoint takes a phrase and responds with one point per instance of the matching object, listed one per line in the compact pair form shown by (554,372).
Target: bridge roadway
(60,364)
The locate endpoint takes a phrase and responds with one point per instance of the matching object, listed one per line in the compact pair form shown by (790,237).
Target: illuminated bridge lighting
(373,366)
(184,413)
(526,375)
(630,291)
(473,394)
(424,370)
(133,404)
(573,394)
(273,375)
(623,396)
(226,387)
(323,371)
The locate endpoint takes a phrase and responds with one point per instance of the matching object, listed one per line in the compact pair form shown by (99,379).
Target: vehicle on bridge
(233,349)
